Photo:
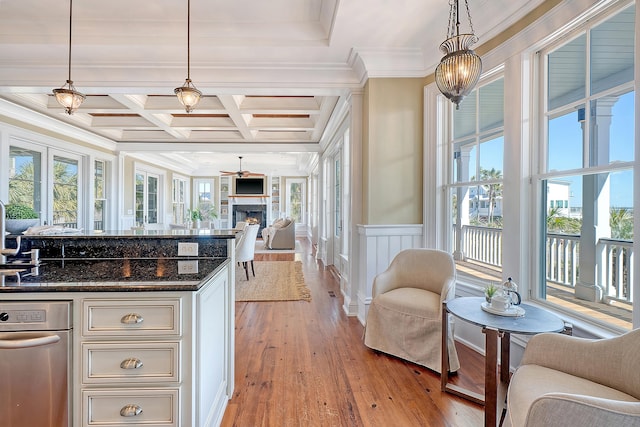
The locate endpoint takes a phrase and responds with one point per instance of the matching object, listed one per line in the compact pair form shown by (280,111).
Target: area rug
(274,281)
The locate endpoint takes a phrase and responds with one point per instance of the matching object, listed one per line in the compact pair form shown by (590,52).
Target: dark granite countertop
(111,275)
(169,234)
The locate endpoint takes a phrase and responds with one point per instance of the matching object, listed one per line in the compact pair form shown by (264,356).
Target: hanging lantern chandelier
(459,69)
(67,95)
(187,94)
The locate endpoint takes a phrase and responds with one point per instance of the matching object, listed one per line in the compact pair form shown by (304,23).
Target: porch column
(595,204)
(461,157)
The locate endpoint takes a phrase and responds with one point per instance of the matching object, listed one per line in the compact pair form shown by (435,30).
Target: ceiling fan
(240,173)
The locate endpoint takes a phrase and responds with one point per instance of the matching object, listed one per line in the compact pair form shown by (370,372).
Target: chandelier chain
(188,39)
(454,19)
(466,3)
(70,27)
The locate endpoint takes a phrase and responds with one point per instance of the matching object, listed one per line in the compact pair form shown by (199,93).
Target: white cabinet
(129,345)
(139,362)
(127,407)
(131,317)
(155,358)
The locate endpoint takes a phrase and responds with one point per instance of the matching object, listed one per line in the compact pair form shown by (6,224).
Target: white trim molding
(379,244)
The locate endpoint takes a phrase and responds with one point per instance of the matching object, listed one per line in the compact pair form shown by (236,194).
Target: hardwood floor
(304,364)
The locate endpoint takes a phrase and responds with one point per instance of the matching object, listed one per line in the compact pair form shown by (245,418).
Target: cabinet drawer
(139,362)
(131,317)
(122,407)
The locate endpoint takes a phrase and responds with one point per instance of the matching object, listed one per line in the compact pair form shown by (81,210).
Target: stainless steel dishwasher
(35,363)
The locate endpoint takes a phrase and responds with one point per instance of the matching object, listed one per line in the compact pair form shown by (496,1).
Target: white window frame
(161,176)
(449,181)
(538,153)
(178,199)
(303,210)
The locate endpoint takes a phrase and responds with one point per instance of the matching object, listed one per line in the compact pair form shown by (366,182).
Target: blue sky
(565,151)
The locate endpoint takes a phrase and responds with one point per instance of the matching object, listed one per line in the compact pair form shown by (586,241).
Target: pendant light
(459,70)
(187,94)
(67,95)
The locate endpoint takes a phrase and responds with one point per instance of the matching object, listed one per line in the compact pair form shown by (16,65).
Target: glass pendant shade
(69,97)
(188,95)
(460,68)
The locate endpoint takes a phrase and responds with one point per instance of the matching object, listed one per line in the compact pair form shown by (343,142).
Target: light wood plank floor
(304,364)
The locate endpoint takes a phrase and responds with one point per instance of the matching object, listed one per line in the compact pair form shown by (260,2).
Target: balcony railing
(483,245)
(617,259)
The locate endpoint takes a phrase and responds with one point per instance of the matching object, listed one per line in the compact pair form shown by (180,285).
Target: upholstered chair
(405,315)
(280,235)
(246,247)
(566,381)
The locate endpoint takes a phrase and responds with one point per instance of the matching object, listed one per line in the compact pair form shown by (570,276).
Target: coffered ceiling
(274,74)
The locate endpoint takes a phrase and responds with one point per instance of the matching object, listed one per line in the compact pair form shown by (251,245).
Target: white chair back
(246,244)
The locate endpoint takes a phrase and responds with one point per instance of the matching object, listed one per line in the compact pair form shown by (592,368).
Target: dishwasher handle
(28,342)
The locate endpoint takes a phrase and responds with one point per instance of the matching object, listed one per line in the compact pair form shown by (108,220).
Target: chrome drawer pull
(130,410)
(131,363)
(131,319)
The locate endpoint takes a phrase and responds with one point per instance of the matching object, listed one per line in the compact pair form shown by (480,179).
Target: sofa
(280,235)
(575,382)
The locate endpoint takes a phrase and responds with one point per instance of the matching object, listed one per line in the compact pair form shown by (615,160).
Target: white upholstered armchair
(566,381)
(405,315)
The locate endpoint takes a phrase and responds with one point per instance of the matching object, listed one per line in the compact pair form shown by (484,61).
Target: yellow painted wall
(392,151)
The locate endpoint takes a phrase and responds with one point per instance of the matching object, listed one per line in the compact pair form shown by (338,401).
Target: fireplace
(243,212)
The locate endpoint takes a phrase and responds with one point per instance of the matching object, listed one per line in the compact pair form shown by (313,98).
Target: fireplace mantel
(246,199)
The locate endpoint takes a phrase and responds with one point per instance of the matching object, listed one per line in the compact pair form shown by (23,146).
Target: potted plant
(19,218)
(203,213)
(490,291)
(195,216)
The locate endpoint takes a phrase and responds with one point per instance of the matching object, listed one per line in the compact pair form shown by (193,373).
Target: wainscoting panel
(379,244)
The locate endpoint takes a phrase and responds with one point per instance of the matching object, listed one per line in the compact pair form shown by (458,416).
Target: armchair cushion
(561,410)
(567,376)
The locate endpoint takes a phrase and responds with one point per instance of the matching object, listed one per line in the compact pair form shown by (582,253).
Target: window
(337,194)
(65,192)
(25,178)
(295,199)
(178,200)
(204,198)
(586,167)
(99,195)
(475,186)
(147,198)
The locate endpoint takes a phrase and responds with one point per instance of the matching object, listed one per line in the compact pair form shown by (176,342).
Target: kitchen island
(152,339)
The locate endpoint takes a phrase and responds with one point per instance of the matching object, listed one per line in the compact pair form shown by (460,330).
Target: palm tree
(65,193)
(558,223)
(493,190)
(621,223)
